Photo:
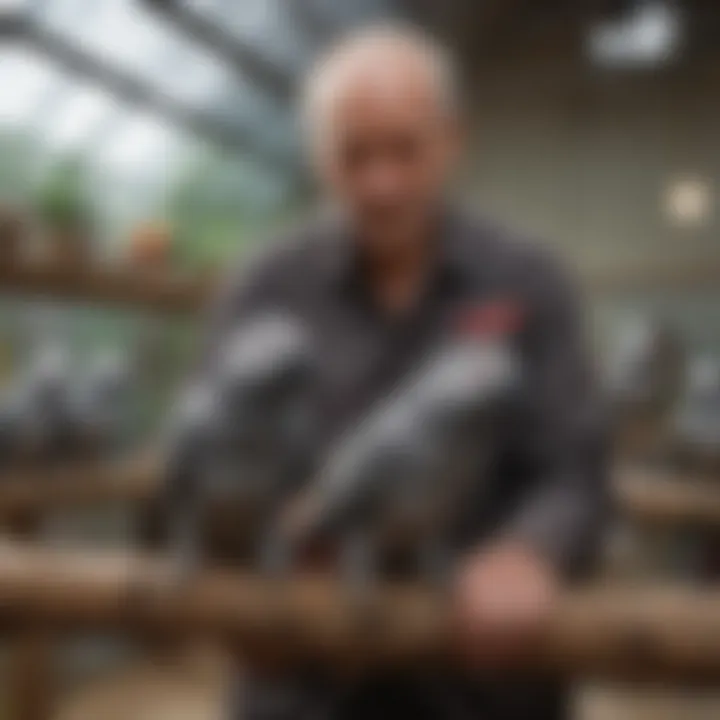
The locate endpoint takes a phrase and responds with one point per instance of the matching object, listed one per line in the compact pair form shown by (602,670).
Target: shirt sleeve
(563,506)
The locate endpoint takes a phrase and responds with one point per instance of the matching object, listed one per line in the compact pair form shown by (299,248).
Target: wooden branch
(668,498)
(649,497)
(604,632)
(123,285)
(29,493)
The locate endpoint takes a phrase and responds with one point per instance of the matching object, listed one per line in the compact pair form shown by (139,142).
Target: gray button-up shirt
(549,484)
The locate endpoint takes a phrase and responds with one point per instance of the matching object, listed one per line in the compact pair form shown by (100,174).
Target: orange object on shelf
(151,245)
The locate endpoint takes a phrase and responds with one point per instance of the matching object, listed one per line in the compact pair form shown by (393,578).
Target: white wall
(583,157)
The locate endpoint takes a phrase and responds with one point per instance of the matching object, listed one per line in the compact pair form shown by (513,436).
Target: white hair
(320,81)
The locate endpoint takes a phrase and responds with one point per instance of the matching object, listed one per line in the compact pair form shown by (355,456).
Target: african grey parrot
(100,404)
(49,426)
(697,424)
(645,370)
(12,421)
(244,438)
(402,476)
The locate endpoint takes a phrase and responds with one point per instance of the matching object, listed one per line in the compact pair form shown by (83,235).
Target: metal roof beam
(238,138)
(255,65)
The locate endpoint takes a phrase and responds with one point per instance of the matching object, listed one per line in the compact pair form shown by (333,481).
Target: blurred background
(146,143)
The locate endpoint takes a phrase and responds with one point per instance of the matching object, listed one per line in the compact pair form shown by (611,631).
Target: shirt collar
(343,263)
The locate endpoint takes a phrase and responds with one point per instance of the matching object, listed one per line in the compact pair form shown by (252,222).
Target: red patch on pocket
(497,318)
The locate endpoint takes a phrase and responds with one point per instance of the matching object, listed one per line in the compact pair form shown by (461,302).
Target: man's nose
(383,183)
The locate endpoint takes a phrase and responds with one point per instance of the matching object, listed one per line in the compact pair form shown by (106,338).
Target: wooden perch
(649,497)
(672,499)
(31,492)
(604,632)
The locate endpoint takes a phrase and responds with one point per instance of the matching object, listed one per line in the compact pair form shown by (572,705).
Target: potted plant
(151,245)
(65,213)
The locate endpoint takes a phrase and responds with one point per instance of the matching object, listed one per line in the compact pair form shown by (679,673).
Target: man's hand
(503,599)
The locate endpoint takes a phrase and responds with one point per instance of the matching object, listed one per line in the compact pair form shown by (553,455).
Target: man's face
(387,148)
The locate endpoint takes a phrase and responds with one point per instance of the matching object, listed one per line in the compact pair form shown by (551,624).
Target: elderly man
(379,280)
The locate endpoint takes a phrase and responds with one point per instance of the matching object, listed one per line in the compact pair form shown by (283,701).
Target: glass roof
(141,88)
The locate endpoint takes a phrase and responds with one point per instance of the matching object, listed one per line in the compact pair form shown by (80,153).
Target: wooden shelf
(127,286)
(116,285)
(165,291)
(698,274)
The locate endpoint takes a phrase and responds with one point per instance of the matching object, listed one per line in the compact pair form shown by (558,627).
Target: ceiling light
(688,202)
(647,36)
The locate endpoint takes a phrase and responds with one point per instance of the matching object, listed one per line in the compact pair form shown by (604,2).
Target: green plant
(62,201)
(19,152)
(217,209)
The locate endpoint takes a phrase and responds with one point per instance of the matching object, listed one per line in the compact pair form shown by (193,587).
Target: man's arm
(563,509)
(507,587)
